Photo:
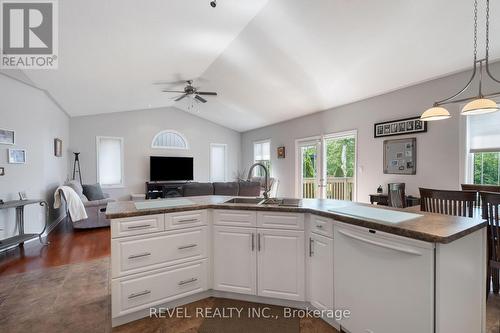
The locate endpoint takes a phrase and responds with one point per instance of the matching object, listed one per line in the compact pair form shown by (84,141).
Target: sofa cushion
(77,187)
(93,192)
(196,189)
(231,188)
(249,189)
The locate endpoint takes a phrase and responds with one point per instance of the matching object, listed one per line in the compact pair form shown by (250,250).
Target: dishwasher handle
(403,249)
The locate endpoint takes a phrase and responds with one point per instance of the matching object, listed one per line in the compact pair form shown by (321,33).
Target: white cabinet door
(281,260)
(235,260)
(280,220)
(321,271)
(385,281)
(238,218)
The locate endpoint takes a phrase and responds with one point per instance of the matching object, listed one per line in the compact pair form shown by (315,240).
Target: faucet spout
(266,172)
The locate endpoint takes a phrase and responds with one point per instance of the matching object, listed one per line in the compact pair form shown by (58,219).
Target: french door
(326,166)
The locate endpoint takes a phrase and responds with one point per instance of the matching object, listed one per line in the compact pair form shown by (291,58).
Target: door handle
(311,244)
(258,242)
(253,242)
(402,249)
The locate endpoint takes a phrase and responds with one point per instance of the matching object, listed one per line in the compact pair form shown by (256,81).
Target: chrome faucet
(266,187)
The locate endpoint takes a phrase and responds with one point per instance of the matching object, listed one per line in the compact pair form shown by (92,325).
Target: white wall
(439,155)
(138,129)
(36,121)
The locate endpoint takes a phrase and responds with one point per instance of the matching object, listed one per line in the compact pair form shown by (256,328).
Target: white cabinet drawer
(280,220)
(185,219)
(145,290)
(321,225)
(136,254)
(137,225)
(242,218)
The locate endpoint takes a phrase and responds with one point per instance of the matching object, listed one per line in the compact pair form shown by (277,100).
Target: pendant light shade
(435,113)
(480,106)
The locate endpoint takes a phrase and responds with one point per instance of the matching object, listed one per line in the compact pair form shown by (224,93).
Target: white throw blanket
(75,205)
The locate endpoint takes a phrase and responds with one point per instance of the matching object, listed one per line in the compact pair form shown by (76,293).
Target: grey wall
(138,129)
(440,157)
(36,121)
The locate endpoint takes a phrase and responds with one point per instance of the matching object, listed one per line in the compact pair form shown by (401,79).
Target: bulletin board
(400,156)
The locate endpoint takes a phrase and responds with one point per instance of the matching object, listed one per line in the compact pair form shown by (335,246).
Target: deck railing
(340,188)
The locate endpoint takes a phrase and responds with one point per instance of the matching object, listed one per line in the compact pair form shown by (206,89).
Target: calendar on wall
(400,156)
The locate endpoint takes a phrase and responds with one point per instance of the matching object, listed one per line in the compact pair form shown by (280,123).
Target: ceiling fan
(189,90)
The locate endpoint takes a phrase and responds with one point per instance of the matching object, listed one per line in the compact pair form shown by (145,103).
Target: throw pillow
(93,192)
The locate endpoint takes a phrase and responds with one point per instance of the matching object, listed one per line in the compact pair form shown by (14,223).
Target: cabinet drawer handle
(319,226)
(181,283)
(253,242)
(187,246)
(258,242)
(188,220)
(311,245)
(134,256)
(142,226)
(142,293)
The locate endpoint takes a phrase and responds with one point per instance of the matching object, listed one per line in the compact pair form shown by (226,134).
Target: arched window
(169,139)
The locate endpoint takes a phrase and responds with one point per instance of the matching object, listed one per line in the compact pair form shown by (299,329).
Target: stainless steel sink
(252,201)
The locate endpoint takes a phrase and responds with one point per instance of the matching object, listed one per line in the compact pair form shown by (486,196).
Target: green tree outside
(486,168)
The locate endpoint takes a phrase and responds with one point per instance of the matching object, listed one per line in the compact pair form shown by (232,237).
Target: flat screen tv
(171,168)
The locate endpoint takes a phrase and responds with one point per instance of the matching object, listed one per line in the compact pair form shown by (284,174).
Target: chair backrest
(195,189)
(457,203)
(480,188)
(396,195)
(491,201)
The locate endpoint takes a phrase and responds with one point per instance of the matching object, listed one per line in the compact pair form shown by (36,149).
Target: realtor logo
(29,37)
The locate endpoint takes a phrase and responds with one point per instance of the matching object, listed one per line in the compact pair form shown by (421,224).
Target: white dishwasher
(385,281)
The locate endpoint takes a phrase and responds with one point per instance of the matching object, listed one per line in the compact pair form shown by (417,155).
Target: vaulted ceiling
(269,60)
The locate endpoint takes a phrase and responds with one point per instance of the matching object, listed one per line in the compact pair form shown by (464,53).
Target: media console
(155,190)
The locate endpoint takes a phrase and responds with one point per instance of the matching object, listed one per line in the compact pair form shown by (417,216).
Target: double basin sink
(287,202)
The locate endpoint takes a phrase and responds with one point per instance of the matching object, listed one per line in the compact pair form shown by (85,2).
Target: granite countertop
(435,228)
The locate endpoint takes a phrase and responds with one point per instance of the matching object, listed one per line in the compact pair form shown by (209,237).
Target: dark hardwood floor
(67,246)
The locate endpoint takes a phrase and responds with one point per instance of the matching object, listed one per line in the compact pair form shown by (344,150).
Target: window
(169,139)
(218,162)
(110,161)
(262,154)
(484,148)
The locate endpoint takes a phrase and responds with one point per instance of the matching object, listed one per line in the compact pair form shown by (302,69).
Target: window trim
(270,154)
(225,160)
(122,153)
(170,147)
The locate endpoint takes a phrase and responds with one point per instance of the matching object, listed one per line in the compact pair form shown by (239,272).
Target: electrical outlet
(2,171)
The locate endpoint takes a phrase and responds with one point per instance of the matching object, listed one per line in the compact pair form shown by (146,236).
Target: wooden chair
(457,203)
(396,195)
(491,202)
(480,188)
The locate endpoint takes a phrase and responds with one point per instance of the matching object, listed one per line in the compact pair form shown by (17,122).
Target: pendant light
(480,103)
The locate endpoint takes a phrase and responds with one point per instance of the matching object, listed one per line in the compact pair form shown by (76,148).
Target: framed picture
(17,156)
(281,152)
(7,137)
(400,156)
(2,171)
(57,147)
(400,127)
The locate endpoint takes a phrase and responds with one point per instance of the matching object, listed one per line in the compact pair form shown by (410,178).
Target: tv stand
(155,190)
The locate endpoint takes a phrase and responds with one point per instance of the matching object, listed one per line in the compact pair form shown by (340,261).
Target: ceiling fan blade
(207,93)
(201,99)
(179,98)
(174,91)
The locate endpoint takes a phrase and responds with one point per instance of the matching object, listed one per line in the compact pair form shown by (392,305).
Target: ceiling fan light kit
(190,91)
(479,104)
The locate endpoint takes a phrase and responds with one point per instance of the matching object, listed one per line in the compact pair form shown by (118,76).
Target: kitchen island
(393,270)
